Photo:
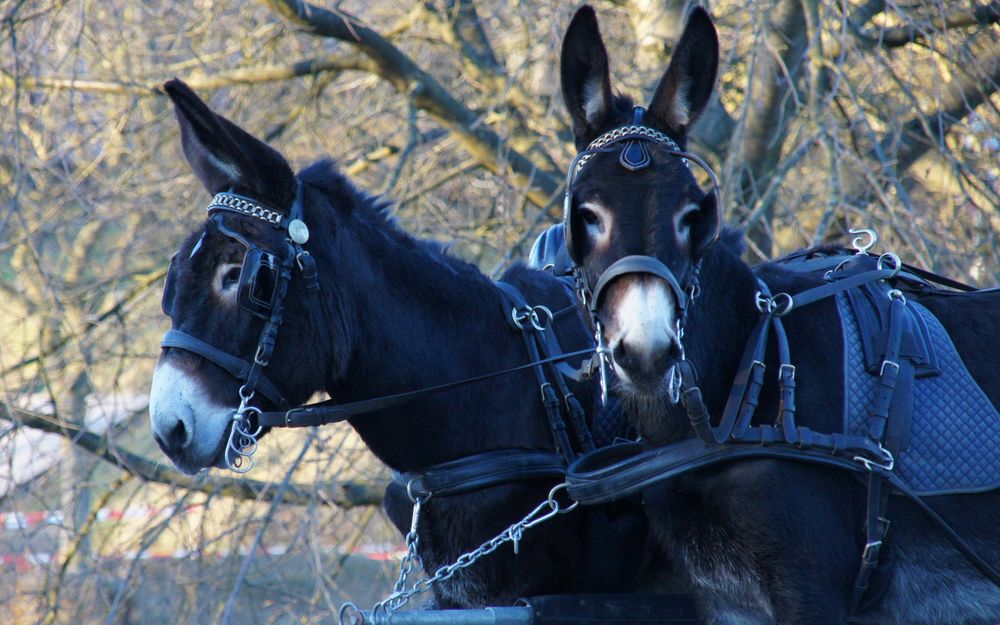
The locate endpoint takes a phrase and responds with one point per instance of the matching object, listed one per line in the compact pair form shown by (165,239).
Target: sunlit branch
(340,494)
(242,76)
(425,91)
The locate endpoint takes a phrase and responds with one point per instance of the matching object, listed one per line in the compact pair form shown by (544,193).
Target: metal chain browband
(240,204)
(642,133)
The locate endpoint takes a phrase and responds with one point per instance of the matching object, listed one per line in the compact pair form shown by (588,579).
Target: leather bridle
(262,288)
(633,156)
(261,291)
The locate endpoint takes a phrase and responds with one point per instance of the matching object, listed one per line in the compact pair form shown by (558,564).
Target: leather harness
(624,469)
(546,359)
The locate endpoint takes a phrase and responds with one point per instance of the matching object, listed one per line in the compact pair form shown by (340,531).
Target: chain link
(401,594)
(233,202)
(638,132)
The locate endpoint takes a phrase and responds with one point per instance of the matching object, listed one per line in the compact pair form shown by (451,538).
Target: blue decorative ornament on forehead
(634,156)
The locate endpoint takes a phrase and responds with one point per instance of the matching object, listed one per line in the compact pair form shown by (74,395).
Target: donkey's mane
(377,218)
(732,239)
(621,106)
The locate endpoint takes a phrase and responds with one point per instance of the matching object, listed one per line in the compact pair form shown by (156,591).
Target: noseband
(263,285)
(634,156)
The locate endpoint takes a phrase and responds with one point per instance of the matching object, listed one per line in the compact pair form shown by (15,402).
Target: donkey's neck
(423,319)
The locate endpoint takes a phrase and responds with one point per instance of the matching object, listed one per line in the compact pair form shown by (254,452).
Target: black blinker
(258,282)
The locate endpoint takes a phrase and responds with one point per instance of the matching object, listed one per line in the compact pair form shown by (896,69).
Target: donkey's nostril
(645,362)
(178,436)
(623,355)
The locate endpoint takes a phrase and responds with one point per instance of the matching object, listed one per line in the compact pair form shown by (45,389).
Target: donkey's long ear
(687,84)
(586,85)
(224,156)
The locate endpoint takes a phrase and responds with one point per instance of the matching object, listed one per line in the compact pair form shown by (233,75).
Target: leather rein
(547,360)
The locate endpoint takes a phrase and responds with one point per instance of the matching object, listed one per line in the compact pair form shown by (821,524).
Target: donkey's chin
(645,408)
(650,384)
(195,459)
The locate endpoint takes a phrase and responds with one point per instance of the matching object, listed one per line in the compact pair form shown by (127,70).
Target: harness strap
(577,416)
(891,405)
(638,264)
(786,384)
(876,526)
(322,413)
(479,471)
(234,365)
(623,469)
(512,299)
(743,396)
(824,291)
(618,471)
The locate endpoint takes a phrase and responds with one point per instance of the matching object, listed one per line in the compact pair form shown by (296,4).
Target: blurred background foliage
(829,116)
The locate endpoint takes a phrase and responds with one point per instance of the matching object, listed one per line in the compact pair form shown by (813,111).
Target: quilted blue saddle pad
(954,442)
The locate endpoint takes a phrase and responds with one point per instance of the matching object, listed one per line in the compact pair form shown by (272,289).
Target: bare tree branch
(340,494)
(771,100)
(244,76)
(922,132)
(920,30)
(426,92)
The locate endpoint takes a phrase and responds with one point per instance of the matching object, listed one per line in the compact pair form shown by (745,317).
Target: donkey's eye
(589,217)
(687,217)
(230,278)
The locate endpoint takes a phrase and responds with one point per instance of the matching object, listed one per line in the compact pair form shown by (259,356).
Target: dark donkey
(391,314)
(767,540)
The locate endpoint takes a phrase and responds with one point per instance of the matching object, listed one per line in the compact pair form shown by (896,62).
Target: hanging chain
(675,379)
(350,615)
(242,443)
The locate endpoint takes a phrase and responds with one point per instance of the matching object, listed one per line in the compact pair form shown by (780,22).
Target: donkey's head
(631,194)
(247,266)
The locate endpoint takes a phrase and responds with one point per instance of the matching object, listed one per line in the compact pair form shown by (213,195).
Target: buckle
(891,363)
(870,554)
(291,422)
(888,462)
(786,369)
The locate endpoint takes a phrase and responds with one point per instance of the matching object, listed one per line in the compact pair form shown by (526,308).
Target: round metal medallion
(298,231)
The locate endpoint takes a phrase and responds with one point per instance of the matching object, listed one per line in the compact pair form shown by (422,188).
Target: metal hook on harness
(860,245)
(886,258)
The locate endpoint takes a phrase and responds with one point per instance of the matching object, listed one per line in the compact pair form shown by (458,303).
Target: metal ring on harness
(530,314)
(349,614)
(780,304)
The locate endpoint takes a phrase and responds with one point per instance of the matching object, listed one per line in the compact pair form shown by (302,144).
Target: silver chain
(639,132)
(233,202)
(242,443)
(349,615)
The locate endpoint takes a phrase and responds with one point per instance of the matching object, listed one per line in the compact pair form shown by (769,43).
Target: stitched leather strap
(234,365)
(638,264)
(482,470)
